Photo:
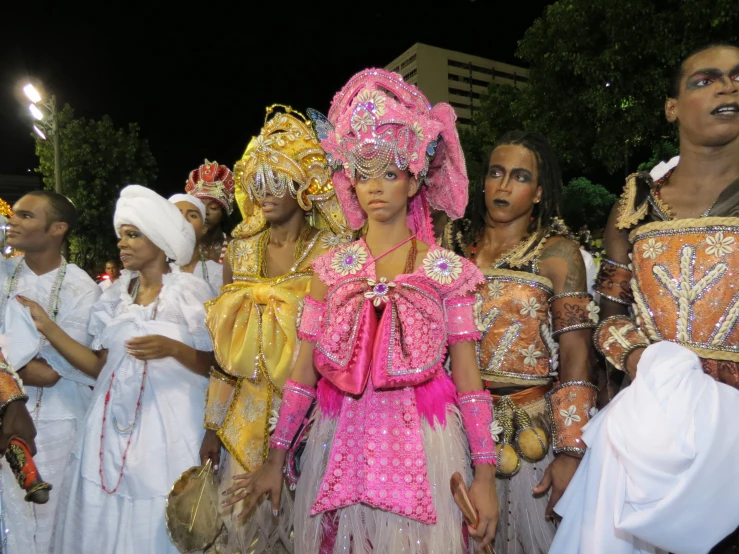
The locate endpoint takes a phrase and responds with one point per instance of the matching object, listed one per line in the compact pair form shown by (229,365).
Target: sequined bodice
(684,283)
(516,345)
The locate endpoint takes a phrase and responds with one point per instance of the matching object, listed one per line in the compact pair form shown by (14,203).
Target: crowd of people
(338,359)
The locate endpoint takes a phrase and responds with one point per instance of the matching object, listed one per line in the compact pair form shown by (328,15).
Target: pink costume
(390,427)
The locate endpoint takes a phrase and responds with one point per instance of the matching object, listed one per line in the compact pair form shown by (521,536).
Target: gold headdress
(286,157)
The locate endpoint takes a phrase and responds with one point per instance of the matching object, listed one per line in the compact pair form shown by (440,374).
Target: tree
(97,160)
(586,203)
(599,75)
(495,116)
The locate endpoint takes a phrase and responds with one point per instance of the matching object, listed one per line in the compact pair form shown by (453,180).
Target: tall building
(453,77)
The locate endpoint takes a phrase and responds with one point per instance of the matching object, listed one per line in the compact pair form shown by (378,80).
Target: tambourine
(192,510)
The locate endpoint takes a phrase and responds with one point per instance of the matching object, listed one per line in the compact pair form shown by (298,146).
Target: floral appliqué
(361,121)
(330,241)
(593,310)
(349,260)
(495,430)
(530,307)
(718,245)
(374,101)
(274,417)
(530,355)
(380,290)
(443,267)
(570,415)
(495,289)
(653,249)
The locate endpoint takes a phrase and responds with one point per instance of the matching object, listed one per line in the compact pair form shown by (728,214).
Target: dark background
(197,77)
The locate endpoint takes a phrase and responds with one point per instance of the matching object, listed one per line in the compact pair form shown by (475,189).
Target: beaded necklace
(52,310)
(297,250)
(129,429)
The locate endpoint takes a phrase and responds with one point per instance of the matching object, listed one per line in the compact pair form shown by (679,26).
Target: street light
(46,126)
(31,93)
(35,112)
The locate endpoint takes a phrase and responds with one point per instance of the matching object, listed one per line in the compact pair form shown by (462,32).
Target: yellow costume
(253,323)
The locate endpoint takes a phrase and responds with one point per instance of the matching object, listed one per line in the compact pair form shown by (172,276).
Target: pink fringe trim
(454,339)
(329,398)
(433,397)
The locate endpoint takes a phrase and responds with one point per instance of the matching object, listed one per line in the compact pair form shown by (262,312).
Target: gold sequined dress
(253,327)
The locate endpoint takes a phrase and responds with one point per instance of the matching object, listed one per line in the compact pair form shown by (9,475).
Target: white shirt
(214,276)
(67,399)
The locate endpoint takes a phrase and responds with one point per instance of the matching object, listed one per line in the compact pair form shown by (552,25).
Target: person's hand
(40,318)
(484,498)
(557,476)
(210,449)
(632,360)
(152,347)
(251,487)
(17,422)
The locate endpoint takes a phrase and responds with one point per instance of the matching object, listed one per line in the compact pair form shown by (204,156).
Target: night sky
(197,79)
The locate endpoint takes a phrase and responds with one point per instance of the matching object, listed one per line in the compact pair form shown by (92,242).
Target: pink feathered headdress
(377,119)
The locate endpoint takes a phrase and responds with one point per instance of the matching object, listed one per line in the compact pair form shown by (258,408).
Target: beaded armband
(571,405)
(296,401)
(11,386)
(616,337)
(614,282)
(310,316)
(477,417)
(572,311)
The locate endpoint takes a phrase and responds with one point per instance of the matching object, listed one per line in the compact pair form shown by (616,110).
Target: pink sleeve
(322,267)
(460,319)
(310,319)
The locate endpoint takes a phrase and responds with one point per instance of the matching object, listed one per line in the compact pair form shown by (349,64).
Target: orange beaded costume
(681,284)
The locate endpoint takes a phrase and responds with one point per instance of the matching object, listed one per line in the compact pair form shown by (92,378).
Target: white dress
(164,438)
(57,411)
(212,273)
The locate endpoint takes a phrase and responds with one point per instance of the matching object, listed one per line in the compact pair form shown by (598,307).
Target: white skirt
(92,521)
(362,529)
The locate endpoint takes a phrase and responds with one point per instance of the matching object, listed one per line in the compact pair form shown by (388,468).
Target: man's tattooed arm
(562,263)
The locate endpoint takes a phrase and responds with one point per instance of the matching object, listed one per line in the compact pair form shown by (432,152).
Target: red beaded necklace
(131,427)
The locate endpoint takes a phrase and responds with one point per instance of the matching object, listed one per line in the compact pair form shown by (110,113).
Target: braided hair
(550,181)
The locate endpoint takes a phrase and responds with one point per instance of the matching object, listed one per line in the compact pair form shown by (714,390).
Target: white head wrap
(158,219)
(191,199)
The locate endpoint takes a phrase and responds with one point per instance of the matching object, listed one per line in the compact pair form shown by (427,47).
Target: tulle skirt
(260,533)
(361,529)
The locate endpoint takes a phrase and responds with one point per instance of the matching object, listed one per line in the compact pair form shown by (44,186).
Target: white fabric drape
(58,411)
(661,471)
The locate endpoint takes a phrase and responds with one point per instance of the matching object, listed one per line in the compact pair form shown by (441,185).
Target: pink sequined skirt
(360,529)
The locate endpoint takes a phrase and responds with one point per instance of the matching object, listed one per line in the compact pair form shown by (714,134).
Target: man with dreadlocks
(536,317)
